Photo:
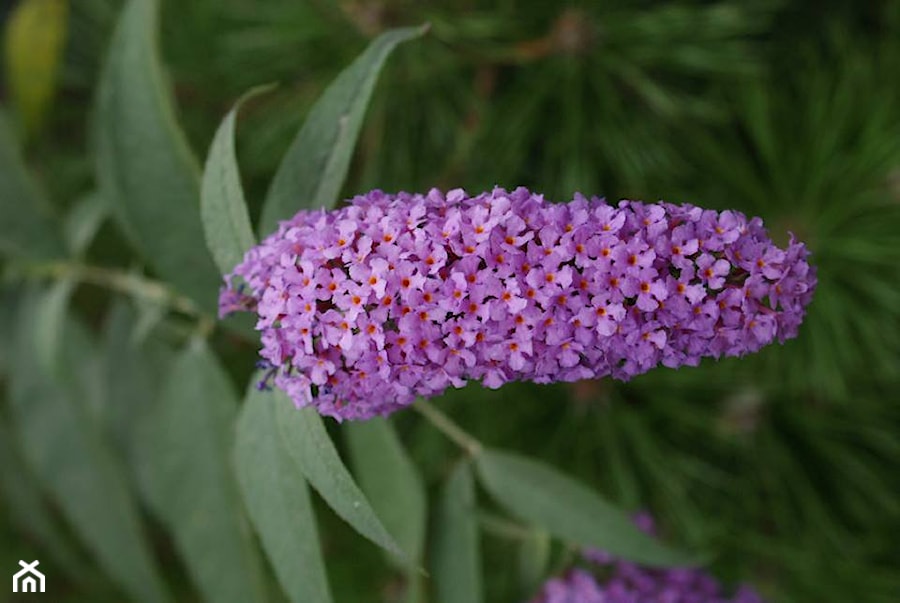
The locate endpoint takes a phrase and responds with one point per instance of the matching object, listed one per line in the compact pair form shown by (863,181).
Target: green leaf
(456,559)
(63,446)
(84,221)
(305,438)
(28,510)
(35,39)
(188,478)
(132,371)
(390,481)
(222,205)
(569,510)
(313,170)
(27,226)
(277,499)
(144,165)
(393,485)
(534,557)
(51,316)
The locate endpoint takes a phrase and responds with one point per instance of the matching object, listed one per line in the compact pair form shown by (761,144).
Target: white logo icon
(28,579)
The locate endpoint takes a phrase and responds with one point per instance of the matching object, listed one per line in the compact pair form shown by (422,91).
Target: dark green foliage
(783,466)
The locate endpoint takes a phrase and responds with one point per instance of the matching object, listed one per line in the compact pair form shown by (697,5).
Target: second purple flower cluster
(626,582)
(364,308)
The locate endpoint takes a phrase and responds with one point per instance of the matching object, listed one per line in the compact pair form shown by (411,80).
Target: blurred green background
(785,465)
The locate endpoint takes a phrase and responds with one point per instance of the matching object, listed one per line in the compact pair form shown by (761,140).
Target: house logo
(28,579)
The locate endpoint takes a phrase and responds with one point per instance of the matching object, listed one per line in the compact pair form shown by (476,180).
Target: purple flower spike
(626,582)
(639,585)
(364,308)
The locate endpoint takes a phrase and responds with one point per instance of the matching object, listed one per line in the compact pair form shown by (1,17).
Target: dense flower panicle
(366,307)
(626,582)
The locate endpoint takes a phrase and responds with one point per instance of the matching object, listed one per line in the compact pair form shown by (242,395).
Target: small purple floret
(365,308)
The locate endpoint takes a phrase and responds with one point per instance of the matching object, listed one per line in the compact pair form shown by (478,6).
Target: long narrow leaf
(390,481)
(51,316)
(456,559)
(278,501)
(568,509)
(132,372)
(311,448)
(62,445)
(144,165)
(84,221)
(393,485)
(27,227)
(189,479)
(533,558)
(28,509)
(223,208)
(313,170)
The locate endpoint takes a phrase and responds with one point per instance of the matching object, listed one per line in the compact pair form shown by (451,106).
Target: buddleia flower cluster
(364,308)
(626,582)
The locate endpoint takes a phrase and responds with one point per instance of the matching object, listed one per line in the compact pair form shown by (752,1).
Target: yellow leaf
(35,37)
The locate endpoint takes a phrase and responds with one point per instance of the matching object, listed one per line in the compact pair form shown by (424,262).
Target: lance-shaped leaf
(27,227)
(62,445)
(393,485)
(313,170)
(311,447)
(534,557)
(28,509)
(132,371)
(456,558)
(226,222)
(144,165)
(51,315)
(188,478)
(569,510)
(389,480)
(84,221)
(277,499)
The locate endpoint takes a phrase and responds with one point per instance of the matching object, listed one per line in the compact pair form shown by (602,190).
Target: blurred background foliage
(786,465)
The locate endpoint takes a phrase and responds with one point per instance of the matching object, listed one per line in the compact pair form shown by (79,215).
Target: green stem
(123,282)
(448,427)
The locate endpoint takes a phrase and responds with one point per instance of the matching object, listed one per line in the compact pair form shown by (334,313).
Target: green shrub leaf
(456,559)
(144,165)
(188,477)
(27,227)
(278,501)
(28,509)
(222,205)
(311,448)
(392,483)
(84,221)
(569,510)
(313,170)
(49,329)
(132,372)
(62,444)
(533,558)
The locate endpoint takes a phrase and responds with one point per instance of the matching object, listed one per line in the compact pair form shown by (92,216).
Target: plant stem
(123,282)
(448,427)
